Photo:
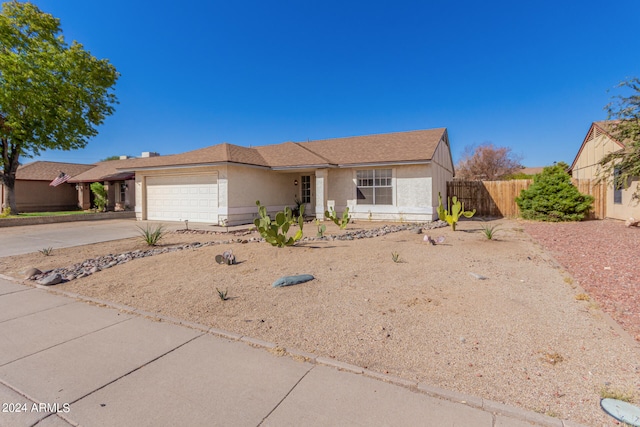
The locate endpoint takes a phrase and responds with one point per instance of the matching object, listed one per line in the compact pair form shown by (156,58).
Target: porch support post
(322,186)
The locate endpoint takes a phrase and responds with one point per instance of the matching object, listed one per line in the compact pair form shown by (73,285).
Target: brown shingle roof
(214,154)
(289,154)
(531,171)
(103,171)
(397,147)
(380,148)
(48,171)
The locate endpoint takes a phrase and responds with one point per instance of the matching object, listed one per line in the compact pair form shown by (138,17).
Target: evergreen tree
(552,197)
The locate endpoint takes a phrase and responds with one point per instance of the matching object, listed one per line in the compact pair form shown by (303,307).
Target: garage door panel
(183,197)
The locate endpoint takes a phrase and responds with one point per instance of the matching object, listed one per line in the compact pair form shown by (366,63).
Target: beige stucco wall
(39,196)
(441,171)
(586,167)
(274,189)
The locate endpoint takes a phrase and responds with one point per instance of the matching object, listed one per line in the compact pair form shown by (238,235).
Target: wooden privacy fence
(498,198)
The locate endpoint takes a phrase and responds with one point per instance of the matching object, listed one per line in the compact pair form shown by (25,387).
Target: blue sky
(529,75)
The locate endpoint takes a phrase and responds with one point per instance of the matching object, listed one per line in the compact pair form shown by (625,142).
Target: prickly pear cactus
(454,212)
(340,222)
(275,231)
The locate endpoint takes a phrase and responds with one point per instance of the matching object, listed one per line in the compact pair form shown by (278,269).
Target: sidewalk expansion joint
(64,342)
(138,368)
(285,396)
(37,312)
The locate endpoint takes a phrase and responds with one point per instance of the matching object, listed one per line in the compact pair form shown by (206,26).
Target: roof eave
(296,167)
(387,163)
(188,166)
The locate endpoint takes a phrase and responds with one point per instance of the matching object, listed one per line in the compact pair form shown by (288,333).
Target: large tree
(52,95)
(624,115)
(487,162)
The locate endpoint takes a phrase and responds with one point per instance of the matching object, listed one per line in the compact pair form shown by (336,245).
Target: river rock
(292,280)
(51,279)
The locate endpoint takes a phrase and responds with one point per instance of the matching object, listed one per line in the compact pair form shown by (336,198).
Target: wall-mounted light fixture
(78,187)
(126,186)
(295,182)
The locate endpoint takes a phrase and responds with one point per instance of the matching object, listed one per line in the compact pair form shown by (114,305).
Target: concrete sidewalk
(68,362)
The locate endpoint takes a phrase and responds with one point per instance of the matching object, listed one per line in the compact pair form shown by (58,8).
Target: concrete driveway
(31,238)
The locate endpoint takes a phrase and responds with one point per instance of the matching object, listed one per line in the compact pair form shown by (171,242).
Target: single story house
(120,186)
(598,143)
(393,176)
(33,192)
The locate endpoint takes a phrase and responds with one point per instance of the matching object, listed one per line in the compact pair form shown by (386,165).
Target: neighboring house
(120,186)
(531,171)
(598,143)
(33,192)
(395,176)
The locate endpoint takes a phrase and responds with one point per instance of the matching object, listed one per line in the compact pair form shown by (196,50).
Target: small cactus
(275,231)
(321,228)
(340,222)
(454,212)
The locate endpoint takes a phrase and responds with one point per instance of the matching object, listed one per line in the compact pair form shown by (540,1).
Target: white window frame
(122,192)
(305,188)
(374,182)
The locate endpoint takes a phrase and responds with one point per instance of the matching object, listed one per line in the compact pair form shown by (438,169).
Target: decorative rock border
(93,265)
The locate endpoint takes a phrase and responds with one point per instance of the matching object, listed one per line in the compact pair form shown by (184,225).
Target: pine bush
(552,197)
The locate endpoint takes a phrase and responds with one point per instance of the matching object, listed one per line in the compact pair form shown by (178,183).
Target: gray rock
(478,276)
(51,279)
(292,280)
(417,230)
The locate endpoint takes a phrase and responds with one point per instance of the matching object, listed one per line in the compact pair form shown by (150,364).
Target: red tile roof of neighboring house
(48,171)
(396,147)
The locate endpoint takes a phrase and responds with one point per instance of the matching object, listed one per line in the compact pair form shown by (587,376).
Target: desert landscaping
(523,319)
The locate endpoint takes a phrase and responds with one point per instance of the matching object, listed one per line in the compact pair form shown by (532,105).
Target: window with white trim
(306,188)
(617,186)
(123,192)
(374,187)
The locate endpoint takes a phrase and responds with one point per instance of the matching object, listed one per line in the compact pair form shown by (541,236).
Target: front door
(306,195)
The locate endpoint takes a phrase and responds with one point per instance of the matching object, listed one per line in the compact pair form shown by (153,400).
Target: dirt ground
(523,334)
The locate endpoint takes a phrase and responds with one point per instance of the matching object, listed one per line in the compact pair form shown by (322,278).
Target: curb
(15,222)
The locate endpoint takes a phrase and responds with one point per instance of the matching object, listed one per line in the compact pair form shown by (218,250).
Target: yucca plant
(152,236)
(489,231)
(223,294)
(46,251)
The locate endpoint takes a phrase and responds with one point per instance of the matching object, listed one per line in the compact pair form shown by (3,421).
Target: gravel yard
(498,319)
(603,258)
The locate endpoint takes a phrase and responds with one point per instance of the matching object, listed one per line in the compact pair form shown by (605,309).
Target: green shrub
(100,196)
(5,212)
(552,197)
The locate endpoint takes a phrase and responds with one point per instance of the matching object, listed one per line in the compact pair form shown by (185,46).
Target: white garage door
(183,197)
